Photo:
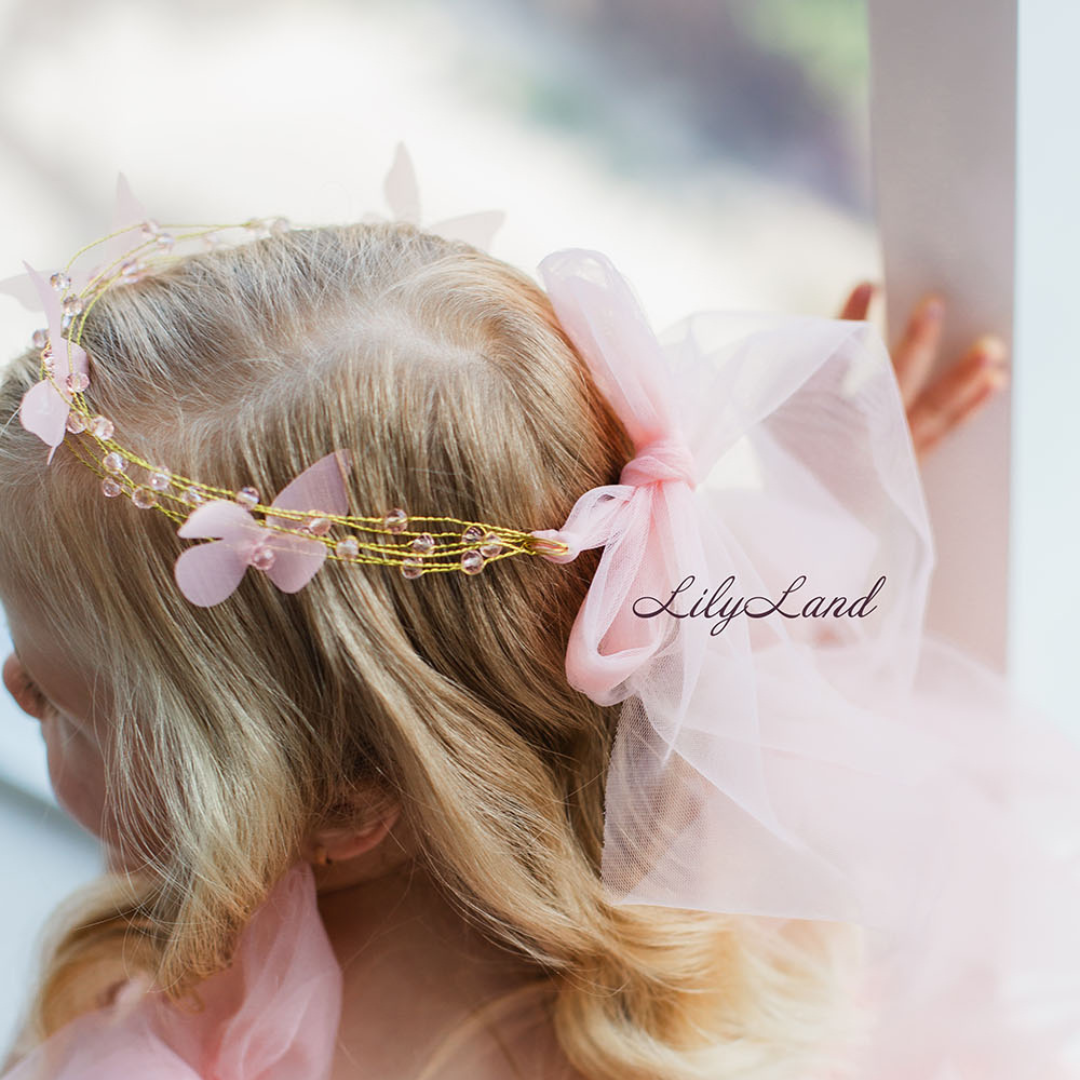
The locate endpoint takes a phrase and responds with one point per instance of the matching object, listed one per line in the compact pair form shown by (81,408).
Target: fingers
(857,304)
(960,392)
(914,356)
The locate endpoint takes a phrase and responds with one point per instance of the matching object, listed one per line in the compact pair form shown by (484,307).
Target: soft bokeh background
(717,150)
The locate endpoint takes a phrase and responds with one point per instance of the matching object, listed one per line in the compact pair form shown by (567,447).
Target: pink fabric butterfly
(403,197)
(44,409)
(208,573)
(127,211)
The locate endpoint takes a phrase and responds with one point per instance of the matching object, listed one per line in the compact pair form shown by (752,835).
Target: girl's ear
(333,845)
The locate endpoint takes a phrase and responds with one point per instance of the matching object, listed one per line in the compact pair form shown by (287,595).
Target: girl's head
(211,747)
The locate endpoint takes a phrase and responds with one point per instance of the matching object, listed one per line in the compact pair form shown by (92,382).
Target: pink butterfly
(128,211)
(44,409)
(209,573)
(403,197)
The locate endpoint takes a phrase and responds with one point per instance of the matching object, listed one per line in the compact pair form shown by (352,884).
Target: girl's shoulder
(509,1036)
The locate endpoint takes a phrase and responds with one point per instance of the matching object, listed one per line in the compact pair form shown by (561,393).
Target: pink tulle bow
(208,574)
(790,744)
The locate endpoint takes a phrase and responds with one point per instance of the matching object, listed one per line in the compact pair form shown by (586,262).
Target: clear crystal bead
(66,320)
(150,229)
(164,241)
(60,281)
(262,557)
(348,548)
(75,423)
(412,567)
(472,535)
(424,544)
(78,381)
(48,361)
(248,496)
(101,427)
(472,562)
(160,481)
(319,526)
(131,269)
(73,305)
(114,462)
(280,225)
(40,339)
(111,487)
(193,496)
(211,242)
(396,520)
(491,546)
(143,498)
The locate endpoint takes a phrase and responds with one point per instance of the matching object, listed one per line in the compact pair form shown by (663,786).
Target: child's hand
(958,393)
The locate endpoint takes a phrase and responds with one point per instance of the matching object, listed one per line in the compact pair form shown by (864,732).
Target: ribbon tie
(668,458)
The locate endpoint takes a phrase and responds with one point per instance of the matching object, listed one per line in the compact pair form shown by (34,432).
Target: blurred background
(726,140)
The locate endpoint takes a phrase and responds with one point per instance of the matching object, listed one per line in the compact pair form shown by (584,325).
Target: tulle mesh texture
(832,767)
(272,1015)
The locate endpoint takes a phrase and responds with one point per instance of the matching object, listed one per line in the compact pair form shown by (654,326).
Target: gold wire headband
(57,407)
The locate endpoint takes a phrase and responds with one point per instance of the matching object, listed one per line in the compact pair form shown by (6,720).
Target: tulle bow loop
(648,523)
(667,458)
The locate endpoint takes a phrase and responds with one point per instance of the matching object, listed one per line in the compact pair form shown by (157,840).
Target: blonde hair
(446,372)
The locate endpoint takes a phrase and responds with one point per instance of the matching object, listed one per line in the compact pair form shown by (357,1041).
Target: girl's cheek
(77,773)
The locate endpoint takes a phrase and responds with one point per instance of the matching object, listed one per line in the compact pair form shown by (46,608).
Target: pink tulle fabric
(829,767)
(272,1015)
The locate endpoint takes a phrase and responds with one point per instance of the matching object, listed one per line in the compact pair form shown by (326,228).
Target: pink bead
(111,487)
(473,534)
(78,381)
(472,562)
(262,557)
(159,481)
(319,526)
(248,496)
(348,548)
(143,498)
(424,544)
(75,423)
(193,496)
(60,281)
(396,520)
(491,546)
(412,568)
(40,339)
(114,462)
(102,428)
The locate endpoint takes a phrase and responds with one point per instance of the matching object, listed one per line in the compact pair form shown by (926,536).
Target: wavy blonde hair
(446,371)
